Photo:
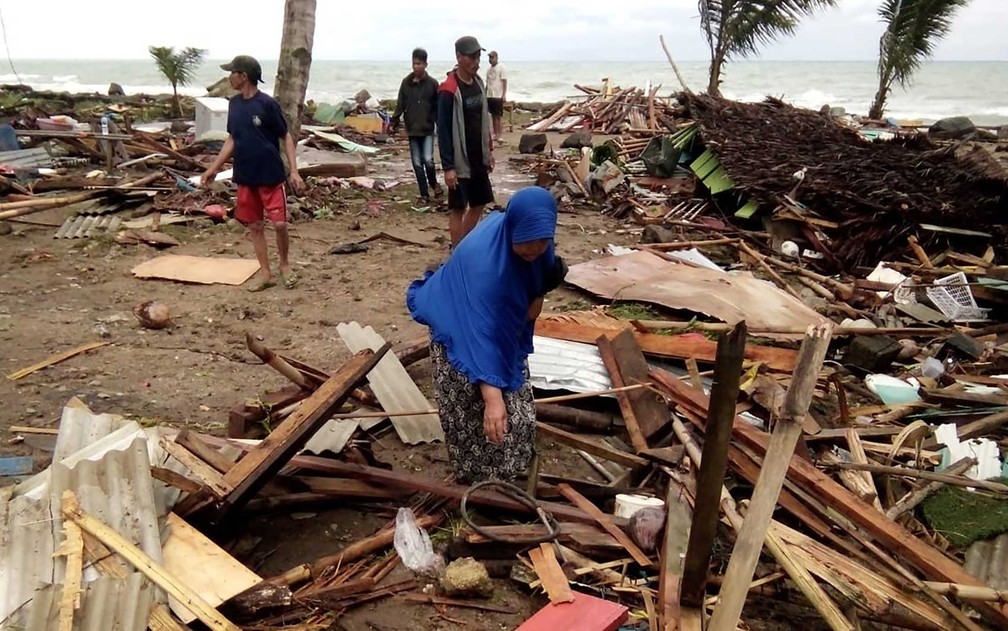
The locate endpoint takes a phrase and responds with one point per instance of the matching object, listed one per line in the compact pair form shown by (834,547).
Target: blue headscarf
(477,303)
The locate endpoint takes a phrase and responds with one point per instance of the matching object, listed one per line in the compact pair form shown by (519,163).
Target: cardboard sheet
(198,269)
(646,277)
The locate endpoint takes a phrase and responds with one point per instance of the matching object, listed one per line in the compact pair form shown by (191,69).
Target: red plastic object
(586,613)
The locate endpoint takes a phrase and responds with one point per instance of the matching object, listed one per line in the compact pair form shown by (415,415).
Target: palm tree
(294,64)
(179,68)
(913,28)
(737,28)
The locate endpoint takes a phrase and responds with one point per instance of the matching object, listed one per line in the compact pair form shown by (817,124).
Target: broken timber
(644,412)
(710,479)
(254,470)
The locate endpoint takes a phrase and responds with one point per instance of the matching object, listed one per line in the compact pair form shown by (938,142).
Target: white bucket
(627,505)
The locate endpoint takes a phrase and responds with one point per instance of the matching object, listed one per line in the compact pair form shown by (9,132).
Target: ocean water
(977,89)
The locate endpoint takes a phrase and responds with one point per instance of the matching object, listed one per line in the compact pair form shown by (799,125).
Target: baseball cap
(246,64)
(467,45)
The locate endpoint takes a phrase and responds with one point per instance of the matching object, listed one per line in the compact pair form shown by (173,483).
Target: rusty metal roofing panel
(988,561)
(563,365)
(394,388)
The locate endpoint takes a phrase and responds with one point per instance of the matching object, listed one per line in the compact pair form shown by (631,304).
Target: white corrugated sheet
(111,476)
(563,365)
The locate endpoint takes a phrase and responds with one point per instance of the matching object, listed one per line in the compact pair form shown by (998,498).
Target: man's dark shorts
(471,191)
(495,106)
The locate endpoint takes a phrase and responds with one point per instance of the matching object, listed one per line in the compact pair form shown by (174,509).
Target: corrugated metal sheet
(86,226)
(27,158)
(394,388)
(988,561)
(563,365)
(106,603)
(333,437)
(111,476)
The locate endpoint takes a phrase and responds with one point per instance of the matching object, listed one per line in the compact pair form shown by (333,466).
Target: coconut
(152,315)
(646,527)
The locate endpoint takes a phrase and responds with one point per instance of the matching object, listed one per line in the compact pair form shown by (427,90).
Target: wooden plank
(204,452)
(922,556)
(671,346)
(147,566)
(593,447)
(710,479)
(585,613)
(254,470)
(177,480)
(342,487)
(548,569)
(745,553)
(626,406)
(55,359)
(203,472)
(670,581)
(607,524)
(202,566)
(72,548)
(649,408)
(421,484)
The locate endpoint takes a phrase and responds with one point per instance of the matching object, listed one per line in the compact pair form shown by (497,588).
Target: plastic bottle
(932,368)
(105,125)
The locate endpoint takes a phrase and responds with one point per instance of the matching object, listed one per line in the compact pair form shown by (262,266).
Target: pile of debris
(608,110)
(858,199)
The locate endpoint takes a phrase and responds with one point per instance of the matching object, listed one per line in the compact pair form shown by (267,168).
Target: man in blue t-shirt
(256,126)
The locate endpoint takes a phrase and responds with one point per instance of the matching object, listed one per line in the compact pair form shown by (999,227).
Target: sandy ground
(58,294)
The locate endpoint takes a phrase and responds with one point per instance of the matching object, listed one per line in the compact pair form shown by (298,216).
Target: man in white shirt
(496,93)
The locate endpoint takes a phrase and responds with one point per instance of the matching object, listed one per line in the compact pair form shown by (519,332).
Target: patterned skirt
(473,457)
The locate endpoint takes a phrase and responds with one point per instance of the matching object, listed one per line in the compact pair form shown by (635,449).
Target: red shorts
(256,203)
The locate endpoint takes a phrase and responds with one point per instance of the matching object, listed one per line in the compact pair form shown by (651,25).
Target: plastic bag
(413,545)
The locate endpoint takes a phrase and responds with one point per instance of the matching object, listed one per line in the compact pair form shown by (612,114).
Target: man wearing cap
(256,126)
(464,140)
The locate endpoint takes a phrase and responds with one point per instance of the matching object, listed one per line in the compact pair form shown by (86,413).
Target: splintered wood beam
(266,459)
(206,474)
(73,549)
(550,573)
(644,411)
(710,479)
(745,554)
(594,447)
(146,565)
(607,524)
(671,581)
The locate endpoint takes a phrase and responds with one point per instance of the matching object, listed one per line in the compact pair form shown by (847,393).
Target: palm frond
(179,68)
(738,28)
(913,28)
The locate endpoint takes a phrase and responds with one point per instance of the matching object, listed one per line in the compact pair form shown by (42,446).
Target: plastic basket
(954,298)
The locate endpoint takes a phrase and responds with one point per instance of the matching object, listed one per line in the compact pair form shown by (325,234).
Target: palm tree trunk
(878,105)
(714,83)
(175,101)
(295,60)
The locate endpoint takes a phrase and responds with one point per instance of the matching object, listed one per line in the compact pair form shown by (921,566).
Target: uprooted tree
(737,28)
(179,68)
(913,27)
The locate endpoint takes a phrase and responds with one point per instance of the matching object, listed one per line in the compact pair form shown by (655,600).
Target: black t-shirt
(472,112)
(256,126)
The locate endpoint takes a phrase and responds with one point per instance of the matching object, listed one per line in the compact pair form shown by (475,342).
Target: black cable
(520,496)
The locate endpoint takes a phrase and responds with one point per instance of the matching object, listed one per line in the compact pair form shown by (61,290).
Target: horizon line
(536,61)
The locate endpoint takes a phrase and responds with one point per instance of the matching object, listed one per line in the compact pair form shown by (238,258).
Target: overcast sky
(531,30)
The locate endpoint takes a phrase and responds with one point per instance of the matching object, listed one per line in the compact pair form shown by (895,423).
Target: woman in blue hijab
(481,307)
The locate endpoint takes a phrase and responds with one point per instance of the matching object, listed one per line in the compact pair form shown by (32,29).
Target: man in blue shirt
(256,126)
